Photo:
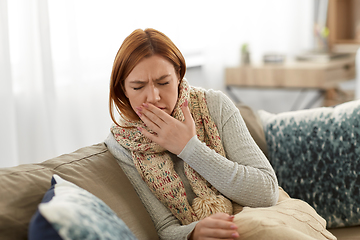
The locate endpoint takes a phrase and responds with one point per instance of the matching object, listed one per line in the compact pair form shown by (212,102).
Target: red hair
(138,45)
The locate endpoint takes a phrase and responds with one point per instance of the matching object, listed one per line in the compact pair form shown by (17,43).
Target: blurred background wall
(56,59)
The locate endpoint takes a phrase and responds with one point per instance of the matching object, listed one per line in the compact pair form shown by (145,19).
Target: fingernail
(138,113)
(186,103)
(233,227)
(145,105)
(138,108)
(139,128)
(235,235)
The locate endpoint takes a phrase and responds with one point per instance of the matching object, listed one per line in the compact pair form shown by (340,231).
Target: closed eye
(138,88)
(165,83)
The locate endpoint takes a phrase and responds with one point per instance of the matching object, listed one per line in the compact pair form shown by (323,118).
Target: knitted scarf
(156,167)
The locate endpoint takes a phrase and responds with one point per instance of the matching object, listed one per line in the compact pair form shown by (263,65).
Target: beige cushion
(288,219)
(92,168)
(254,125)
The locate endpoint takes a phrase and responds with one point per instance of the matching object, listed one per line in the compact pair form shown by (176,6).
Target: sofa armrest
(92,168)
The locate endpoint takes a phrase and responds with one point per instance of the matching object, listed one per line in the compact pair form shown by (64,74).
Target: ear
(123,89)
(178,79)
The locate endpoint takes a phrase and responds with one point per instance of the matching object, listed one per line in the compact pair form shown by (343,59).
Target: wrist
(192,234)
(187,147)
(191,237)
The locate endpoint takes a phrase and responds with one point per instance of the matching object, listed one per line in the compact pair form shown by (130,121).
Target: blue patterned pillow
(70,212)
(316,156)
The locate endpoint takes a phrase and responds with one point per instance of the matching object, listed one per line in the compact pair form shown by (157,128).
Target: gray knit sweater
(244,175)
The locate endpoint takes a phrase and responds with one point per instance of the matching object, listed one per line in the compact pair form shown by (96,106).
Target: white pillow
(70,212)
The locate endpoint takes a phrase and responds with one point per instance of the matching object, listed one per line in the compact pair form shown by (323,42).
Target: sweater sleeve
(246,175)
(167,225)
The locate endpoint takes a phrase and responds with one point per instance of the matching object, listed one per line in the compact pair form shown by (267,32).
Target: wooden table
(324,76)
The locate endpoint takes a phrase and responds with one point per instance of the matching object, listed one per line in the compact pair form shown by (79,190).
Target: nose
(153,94)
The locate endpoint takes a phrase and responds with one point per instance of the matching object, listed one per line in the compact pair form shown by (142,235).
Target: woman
(186,150)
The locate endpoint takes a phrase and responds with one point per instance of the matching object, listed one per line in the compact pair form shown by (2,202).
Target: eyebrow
(156,80)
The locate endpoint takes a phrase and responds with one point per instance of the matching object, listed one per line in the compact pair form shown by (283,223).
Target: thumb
(186,112)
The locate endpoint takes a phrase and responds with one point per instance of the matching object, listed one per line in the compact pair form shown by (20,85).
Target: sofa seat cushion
(92,168)
(346,233)
(316,156)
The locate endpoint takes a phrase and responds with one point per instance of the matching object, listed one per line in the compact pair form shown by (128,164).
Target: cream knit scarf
(156,167)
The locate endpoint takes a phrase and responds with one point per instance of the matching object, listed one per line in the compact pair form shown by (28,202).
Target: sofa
(94,169)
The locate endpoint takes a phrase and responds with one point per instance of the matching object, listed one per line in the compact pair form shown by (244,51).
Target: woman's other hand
(171,133)
(217,226)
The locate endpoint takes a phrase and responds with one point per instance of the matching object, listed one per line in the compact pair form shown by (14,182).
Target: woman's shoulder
(120,153)
(220,105)
(218,100)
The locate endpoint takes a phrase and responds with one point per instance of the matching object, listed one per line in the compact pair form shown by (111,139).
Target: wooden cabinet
(324,77)
(344,25)
(292,75)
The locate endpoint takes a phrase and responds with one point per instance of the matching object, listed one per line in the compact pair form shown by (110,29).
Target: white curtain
(8,136)
(48,106)
(25,105)
(56,59)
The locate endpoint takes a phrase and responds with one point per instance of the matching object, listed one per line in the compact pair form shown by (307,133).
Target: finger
(156,111)
(186,112)
(153,115)
(150,124)
(152,137)
(222,234)
(223,224)
(223,216)
(220,221)
(149,118)
(218,227)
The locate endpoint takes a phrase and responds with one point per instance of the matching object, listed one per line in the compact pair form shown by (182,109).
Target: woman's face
(153,80)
